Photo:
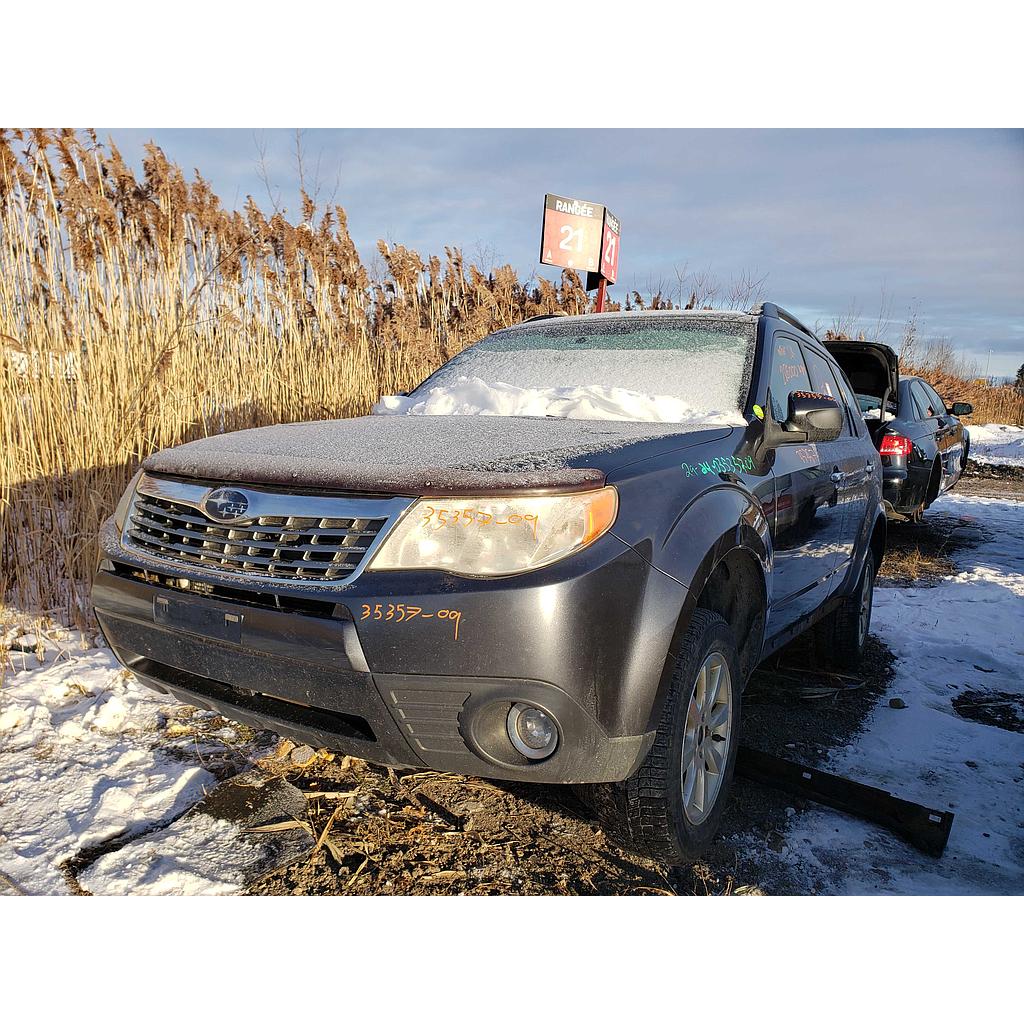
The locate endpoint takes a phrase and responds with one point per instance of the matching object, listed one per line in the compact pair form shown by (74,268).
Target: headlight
(496,536)
(121,512)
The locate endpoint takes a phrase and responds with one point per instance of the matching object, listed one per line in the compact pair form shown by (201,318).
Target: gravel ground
(992,481)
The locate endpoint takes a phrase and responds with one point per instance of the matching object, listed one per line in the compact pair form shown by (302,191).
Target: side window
(937,404)
(915,412)
(924,403)
(789,374)
(824,383)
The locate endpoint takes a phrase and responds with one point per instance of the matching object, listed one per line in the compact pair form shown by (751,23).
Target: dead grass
(1003,404)
(921,554)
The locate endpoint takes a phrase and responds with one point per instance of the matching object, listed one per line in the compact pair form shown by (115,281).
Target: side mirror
(962,409)
(816,416)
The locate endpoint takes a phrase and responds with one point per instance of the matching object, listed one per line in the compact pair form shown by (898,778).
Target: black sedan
(923,445)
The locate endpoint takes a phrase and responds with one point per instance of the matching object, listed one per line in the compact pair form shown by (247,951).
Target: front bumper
(352,668)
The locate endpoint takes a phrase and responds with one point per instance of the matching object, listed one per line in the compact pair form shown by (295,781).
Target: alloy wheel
(706,737)
(864,615)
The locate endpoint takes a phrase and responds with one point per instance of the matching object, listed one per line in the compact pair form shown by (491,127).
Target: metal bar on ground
(922,827)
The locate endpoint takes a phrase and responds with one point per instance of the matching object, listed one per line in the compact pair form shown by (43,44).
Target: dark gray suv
(540,592)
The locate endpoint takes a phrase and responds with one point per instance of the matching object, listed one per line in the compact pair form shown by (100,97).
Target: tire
(649,813)
(842,634)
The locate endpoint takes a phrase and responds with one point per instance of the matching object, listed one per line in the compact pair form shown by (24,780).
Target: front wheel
(671,807)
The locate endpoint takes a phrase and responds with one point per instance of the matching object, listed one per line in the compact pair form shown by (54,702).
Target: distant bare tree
(745,291)
(908,348)
(485,256)
(660,294)
(307,186)
(883,322)
(259,140)
(846,324)
(704,289)
(681,273)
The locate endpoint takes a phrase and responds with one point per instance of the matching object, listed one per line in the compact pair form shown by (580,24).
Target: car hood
(418,455)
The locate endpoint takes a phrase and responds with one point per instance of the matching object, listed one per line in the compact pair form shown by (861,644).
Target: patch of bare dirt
(992,481)
(427,832)
(991,707)
(986,471)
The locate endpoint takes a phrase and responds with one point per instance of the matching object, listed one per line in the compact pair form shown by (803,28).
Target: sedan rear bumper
(904,486)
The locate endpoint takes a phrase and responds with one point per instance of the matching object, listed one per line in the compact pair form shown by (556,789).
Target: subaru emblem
(225,505)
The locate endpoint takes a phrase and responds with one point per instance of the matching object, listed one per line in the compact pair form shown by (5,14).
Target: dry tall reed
(138,313)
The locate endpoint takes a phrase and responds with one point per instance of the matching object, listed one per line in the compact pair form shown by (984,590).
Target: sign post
(579,235)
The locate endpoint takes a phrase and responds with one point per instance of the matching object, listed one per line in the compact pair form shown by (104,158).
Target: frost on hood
(471,396)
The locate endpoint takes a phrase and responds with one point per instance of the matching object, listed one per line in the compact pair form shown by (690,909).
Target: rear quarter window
(935,401)
(924,404)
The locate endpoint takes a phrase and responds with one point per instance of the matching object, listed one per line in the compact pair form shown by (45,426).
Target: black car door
(848,459)
(930,436)
(807,519)
(948,437)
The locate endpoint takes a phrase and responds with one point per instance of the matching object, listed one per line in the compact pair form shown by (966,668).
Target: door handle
(836,477)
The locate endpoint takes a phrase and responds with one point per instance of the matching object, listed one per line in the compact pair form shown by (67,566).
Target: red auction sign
(581,236)
(610,247)
(572,234)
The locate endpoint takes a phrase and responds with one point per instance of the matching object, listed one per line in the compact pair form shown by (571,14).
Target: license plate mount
(191,616)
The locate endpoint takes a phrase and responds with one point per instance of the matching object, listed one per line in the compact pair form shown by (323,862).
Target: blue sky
(932,219)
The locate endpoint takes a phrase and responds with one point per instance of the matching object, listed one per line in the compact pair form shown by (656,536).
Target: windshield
(673,369)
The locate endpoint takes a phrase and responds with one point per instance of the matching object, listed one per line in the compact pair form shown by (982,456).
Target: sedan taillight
(895,444)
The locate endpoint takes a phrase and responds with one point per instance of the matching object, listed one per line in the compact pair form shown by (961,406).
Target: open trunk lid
(872,369)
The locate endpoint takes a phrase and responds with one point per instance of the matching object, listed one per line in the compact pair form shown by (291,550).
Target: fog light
(533,732)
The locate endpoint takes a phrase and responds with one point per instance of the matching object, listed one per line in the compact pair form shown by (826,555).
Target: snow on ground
(471,396)
(997,444)
(200,854)
(965,634)
(88,755)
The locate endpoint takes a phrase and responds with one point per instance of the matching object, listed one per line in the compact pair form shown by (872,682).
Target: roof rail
(773,310)
(544,316)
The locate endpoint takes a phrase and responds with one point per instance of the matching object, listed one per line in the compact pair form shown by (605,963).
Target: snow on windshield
(674,369)
(471,396)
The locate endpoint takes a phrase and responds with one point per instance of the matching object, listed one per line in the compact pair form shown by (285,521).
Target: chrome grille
(167,521)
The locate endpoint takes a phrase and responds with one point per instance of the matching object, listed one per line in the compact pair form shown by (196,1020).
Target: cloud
(933,218)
